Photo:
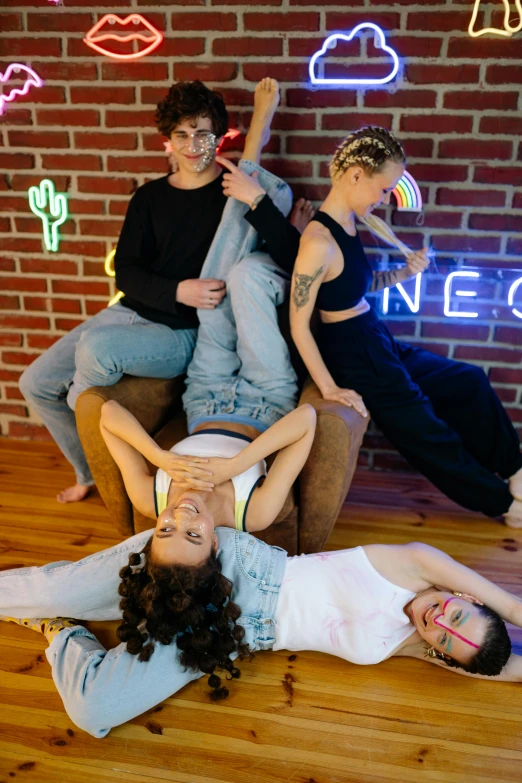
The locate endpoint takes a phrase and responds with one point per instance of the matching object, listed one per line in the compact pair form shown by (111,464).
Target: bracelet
(257,199)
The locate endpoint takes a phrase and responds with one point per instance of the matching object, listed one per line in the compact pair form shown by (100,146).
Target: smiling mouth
(430,611)
(188,504)
(109,27)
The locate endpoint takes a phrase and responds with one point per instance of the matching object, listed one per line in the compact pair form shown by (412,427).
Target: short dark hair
(495,650)
(189,100)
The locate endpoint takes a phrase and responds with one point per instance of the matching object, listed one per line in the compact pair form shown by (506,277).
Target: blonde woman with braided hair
(441,415)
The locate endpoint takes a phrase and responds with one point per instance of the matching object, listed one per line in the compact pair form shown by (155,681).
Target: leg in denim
(241,361)
(146,350)
(99,689)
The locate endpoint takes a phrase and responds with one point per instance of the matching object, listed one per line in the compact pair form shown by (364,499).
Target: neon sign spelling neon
(508,30)
(447,295)
(31,80)
(109,270)
(511,296)
(408,195)
(331,41)
(413,305)
(42,196)
(96,35)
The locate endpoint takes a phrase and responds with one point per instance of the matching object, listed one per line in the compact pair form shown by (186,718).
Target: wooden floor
(305,718)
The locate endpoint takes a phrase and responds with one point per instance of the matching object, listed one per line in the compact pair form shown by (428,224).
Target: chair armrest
(328,472)
(151,401)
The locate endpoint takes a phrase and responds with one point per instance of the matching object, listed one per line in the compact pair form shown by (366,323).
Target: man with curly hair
(170,226)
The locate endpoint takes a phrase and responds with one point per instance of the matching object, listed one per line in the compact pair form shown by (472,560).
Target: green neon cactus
(40,198)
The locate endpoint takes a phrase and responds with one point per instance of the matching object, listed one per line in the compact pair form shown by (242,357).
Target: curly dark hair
(188,603)
(494,652)
(188,100)
(370,147)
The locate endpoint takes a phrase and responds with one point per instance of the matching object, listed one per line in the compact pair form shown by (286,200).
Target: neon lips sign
(455,295)
(112,28)
(18,71)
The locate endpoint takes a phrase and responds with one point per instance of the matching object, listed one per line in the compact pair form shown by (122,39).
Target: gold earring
(456,592)
(432,652)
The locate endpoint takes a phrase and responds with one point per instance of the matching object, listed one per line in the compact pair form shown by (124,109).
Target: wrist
(260,196)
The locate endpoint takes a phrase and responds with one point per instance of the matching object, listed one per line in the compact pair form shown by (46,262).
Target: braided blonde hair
(371,148)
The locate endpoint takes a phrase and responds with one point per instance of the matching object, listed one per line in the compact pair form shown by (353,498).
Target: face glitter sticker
(111,28)
(508,29)
(45,198)
(14,72)
(331,42)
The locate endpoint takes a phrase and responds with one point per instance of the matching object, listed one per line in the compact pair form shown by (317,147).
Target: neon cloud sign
(408,195)
(508,30)
(45,196)
(331,42)
(31,80)
(102,32)
(109,270)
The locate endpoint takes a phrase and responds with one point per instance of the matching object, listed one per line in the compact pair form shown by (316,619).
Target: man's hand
(239,185)
(204,293)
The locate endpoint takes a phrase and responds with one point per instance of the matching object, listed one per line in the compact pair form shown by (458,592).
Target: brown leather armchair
(313,504)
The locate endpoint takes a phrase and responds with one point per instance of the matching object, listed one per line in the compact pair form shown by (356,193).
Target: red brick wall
(456,105)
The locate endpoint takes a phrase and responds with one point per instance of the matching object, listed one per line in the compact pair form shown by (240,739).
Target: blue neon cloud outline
(382,37)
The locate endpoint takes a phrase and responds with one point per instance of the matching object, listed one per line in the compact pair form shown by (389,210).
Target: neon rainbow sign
(508,30)
(408,195)
(102,32)
(331,42)
(31,80)
(40,198)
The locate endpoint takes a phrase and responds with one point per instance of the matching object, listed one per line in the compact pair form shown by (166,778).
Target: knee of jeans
(85,712)
(92,348)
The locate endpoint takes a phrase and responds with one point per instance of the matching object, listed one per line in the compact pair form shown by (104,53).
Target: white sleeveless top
(337,603)
(215,443)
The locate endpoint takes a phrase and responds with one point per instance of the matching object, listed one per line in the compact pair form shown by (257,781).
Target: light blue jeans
(241,368)
(114,342)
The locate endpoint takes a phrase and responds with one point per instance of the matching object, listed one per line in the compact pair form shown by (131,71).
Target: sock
(46,625)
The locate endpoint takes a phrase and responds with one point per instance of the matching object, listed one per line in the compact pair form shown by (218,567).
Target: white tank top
(215,443)
(337,603)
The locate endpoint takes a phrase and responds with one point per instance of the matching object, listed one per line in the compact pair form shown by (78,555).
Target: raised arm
(310,270)
(438,568)
(130,446)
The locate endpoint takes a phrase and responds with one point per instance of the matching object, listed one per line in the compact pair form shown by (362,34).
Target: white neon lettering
(447,295)
(511,296)
(414,304)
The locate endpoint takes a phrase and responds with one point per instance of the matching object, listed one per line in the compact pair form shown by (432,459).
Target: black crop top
(348,288)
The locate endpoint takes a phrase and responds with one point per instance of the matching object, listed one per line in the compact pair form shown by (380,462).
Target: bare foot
(513,518)
(74,494)
(301,214)
(515,485)
(266,100)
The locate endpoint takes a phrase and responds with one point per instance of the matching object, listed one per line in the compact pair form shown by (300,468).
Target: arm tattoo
(384,280)
(303,283)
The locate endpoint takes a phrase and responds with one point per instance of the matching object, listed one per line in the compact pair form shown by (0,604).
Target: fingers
(226,163)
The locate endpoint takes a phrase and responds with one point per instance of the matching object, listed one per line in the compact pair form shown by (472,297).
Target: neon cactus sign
(31,80)
(45,196)
(102,32)
(408,195)
(508,30)
(331,42)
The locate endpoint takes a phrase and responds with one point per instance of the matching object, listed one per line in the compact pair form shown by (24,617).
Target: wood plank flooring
(308,718)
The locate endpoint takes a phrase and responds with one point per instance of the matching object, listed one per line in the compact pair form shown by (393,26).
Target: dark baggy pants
(441,415)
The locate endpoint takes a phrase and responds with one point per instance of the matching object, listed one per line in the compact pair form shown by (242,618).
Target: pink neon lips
(18,71)
(112,28)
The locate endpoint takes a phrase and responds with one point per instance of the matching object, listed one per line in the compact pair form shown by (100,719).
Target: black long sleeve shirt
(165,239)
